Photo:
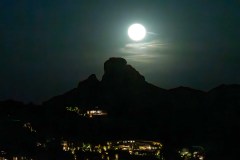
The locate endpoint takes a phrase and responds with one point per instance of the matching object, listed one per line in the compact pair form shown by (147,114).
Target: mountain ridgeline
(138,110)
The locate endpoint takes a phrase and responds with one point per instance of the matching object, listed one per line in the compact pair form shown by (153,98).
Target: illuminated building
(192,153)
(29,126)
(131,147)
(96,112)
(87,113)
(65,146)
(138,147)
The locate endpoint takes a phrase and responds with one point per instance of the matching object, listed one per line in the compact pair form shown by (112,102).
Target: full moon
(137,32)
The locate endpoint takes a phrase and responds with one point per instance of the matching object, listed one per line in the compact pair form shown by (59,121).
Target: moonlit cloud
(143,51)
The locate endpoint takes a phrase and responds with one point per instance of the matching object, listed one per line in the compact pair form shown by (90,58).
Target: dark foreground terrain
(123,106)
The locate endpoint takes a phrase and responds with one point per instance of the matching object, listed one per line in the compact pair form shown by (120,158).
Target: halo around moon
(137,32)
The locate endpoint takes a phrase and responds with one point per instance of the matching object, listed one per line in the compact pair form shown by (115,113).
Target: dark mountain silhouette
(139,110)
(121,85)
(83,95)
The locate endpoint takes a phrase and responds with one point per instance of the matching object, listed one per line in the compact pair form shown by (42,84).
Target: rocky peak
(90,81)
(113,65)
(118,72)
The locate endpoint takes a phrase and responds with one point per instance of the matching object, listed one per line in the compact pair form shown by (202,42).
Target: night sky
(48,46)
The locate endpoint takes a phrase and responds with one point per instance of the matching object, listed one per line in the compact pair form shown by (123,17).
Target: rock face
(124,88)
(118,73)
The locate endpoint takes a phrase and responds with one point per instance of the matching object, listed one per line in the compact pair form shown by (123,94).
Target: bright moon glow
(137,32)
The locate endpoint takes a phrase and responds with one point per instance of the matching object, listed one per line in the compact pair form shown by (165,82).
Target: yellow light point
(116,156)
